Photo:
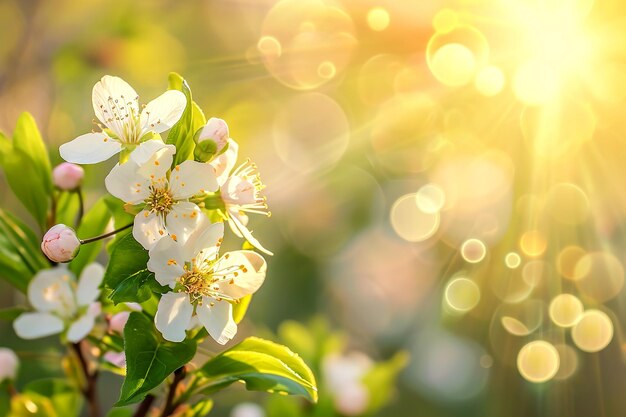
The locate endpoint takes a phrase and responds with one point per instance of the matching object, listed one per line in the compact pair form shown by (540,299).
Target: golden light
(378,19)
(538,361)
(411,223)
(593,331)
(565,310)
(473,250)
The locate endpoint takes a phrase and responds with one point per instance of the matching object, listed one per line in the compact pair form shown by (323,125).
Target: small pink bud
(67,176)
(217,131)
(118,321)
(60,243)
(8,364)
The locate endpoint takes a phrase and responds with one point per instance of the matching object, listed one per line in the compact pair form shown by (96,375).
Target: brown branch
(144,406)
(90,390)
(170,404)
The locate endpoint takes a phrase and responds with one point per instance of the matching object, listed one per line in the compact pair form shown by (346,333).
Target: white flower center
(204,280)
(160,200)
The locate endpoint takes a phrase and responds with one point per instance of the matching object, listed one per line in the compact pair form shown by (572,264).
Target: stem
(81,208)
(144,406)
(11,389)
(170,404)
(90,391)
(104,236)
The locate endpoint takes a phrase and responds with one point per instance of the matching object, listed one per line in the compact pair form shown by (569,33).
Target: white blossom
(147,182)
(123,124)
(61,304)
(240,191)
(203,284)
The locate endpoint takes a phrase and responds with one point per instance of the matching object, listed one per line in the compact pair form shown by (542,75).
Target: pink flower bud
(8,364)
(60,243)
(118,321)
(67,176)
(217,131)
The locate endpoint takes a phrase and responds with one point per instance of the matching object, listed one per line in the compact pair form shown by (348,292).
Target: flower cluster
(170,202)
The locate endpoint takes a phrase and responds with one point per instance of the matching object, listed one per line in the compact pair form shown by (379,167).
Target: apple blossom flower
(115,358)
(343,375)
(60,243)
(240,192)
(124,126)
(211,139)
(61,304)
(118,321)
(147,182)
(202,283)
(67,176)
(8,364)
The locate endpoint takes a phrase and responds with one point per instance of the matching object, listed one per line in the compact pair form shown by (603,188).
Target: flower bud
(67,176)
(60,243)
(118,321)
(8,364)
(211,140)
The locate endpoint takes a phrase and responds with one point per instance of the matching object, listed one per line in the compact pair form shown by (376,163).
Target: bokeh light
(538,361)
(410,222)
(565,310)
(462,294)
(593,331)
(473,250)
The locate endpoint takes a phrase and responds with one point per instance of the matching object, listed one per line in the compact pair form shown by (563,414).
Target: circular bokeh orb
(533,243)
(473,250)
(489,81)
(567,260)
(462,295)
(593,331)
(378,19)
(302,39)
(512,260)
(430,198)
(565,310)
(568,361)
(411,223)
(445,20)
(538,361)
(453,65)
(311,132)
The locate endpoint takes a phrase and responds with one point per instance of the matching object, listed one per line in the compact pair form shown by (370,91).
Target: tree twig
(144,406)
(170,404)
(90,390)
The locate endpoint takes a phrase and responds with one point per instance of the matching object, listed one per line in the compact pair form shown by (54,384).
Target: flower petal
(125,183)
(90,148)
(163,112)
(35,325)
(183,220)
(88,284)
(154,158)
(80,328)
(114,102)
(250,272)
(148,228)
(234,221)
(225,162)
(167,261)
(217,318)
(191,178)
(173,315)
(206,242)
(50,290)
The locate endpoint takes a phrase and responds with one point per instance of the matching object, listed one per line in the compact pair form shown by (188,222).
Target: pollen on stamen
(172,262)
(175,238)
(161,232)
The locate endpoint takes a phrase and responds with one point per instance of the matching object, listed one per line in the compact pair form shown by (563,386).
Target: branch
(170,405)
(144,406)
(90,391)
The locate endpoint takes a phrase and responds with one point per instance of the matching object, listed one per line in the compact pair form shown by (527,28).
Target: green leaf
(94,223)
(380,380)
(199,409)
(240,309)
(20,253)
(66,399)
(27,153)
(11,313)
(192,119)
(149,358)
(263,366)
(137,288)
(280,406)
(32,405)
(127,275)
(121,412)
